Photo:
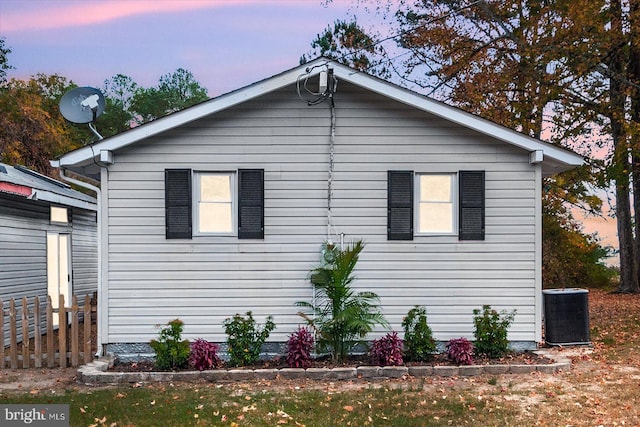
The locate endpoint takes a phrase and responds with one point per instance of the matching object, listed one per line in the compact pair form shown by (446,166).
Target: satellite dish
(82,105)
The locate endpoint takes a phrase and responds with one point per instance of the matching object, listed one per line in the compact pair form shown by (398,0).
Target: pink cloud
(86,13)
(59,15)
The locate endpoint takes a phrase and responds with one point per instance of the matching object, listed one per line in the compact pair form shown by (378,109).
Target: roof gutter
(56,164)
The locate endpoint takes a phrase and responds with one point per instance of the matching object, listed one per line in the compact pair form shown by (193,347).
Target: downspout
(99,225)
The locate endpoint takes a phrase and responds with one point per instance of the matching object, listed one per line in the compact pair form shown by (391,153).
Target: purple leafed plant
(299,347)
(460,351)
(204,355)
(387,351)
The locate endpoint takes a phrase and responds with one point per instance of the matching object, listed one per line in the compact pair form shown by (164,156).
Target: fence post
(13,334)
(62,332)
(74,331)
(37,337)
(51,352)
(87,329)
(25,334)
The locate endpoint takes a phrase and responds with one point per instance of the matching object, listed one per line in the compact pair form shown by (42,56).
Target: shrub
(245,339)
(460,351)
(204,355)
(419,345)
(387,351)
(340,316)
(172,352)
(299,347)
(491,331)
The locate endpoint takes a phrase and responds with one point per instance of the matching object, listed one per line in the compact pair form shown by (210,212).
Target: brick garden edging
(96,372)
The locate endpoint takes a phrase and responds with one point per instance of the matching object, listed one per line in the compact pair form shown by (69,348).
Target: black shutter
(400,205)
(471,205)
(251,204)
(177,200)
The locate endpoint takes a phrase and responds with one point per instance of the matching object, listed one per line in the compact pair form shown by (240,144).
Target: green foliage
(245,338)
(4,61)
(346,42)
(571,258)
(175,91)
(340,316)
(419,345)
(172,352)
(490,331)
(118,115)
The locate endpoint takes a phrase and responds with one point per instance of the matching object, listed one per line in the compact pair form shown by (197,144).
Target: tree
(32,131)
(340,316)
(571,258)
(346,42)
(4,61)
(175,91)
(531,65)
(118,116)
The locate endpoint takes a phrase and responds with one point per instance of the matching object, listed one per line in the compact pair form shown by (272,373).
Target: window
(221,203)
(436,203)
(442,207)
(214,200)
(59,215)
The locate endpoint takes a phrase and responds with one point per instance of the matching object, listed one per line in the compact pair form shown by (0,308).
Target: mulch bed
(514,358)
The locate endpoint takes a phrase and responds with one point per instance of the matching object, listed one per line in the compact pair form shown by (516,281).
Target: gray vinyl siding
(23,252)
(84,253)
(204,280)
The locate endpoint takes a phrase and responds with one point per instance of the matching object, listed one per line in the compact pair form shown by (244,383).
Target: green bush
(172,352)
(419,345)
(340,316)
(245,339)
(491,331)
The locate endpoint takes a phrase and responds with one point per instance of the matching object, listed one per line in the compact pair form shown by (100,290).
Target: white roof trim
(556,155)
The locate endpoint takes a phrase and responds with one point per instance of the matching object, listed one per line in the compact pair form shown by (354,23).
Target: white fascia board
(456,115)
(63,200)
(182,117)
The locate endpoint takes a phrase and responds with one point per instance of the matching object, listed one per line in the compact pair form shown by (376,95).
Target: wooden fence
(46,345)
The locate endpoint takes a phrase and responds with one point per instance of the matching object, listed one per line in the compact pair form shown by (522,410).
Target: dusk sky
(226,44)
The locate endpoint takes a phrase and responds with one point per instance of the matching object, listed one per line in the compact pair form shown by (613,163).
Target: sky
(226,44)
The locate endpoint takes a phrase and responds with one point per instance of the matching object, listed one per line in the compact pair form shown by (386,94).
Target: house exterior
(222,208)
(48,238)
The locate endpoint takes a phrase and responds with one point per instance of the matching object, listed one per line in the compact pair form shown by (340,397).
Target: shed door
(58,269)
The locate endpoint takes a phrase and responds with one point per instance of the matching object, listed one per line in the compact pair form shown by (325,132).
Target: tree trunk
(618,64)
(634,78)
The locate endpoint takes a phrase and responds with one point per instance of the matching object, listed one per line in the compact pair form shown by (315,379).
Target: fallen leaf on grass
(348,408)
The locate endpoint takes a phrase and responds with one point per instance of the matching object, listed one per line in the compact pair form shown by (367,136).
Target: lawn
(602,388)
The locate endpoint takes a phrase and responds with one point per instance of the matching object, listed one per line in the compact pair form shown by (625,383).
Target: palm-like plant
(340,316)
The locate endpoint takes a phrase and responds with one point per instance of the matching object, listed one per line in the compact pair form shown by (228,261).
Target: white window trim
(196,203)
(454,200)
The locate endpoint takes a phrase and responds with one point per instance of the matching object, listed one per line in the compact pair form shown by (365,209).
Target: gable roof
(24,182)
(554,159)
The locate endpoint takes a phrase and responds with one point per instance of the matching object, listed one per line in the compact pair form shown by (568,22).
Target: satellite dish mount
(83,105)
